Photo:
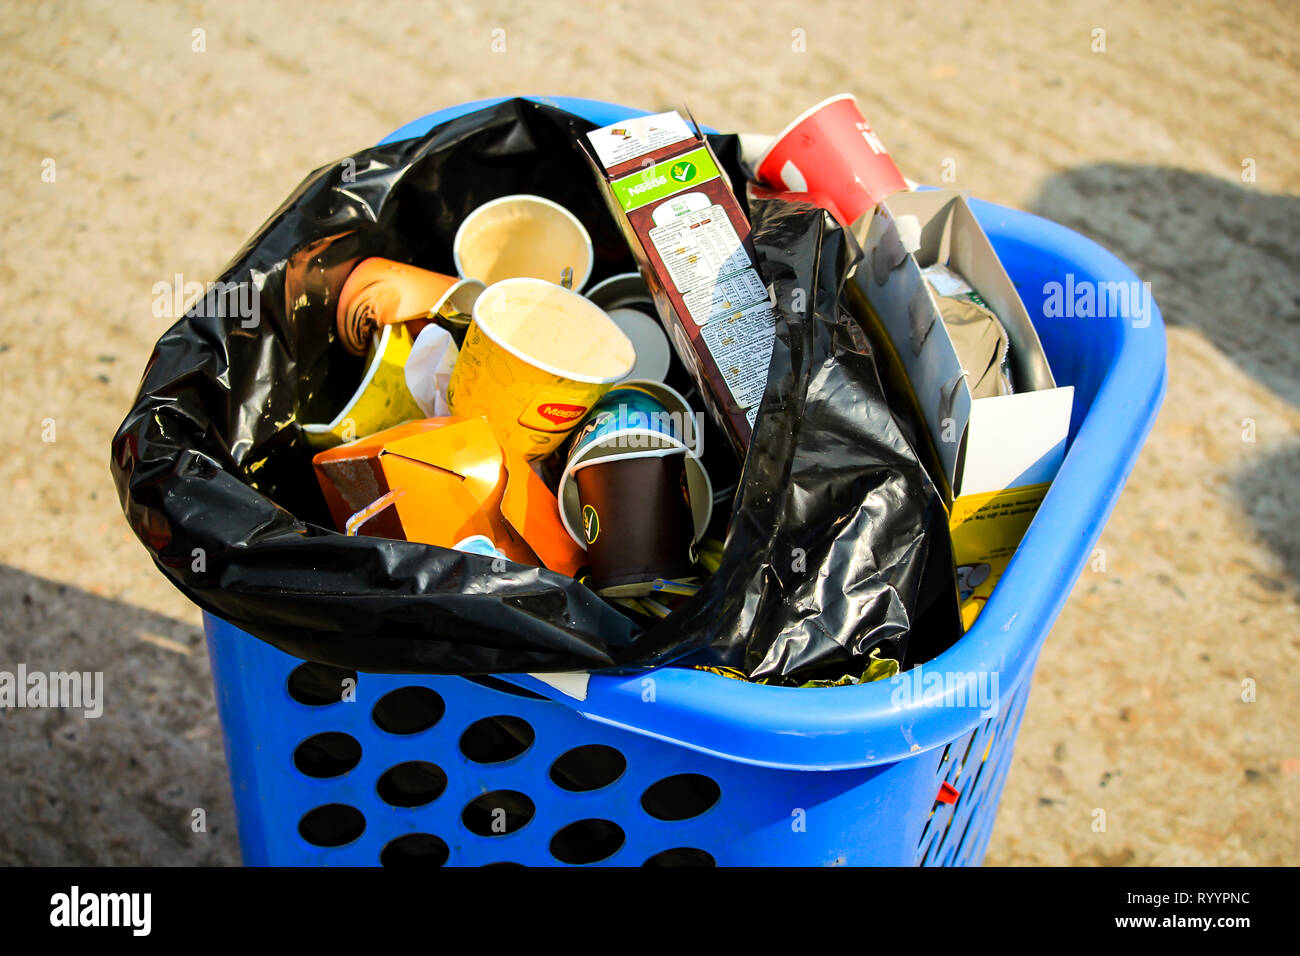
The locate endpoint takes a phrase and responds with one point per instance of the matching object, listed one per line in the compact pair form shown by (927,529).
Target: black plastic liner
(838,543)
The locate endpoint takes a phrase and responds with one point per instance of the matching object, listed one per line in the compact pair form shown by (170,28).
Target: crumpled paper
(428,370)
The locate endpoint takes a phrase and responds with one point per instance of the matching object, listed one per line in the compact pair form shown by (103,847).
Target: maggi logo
(558,413)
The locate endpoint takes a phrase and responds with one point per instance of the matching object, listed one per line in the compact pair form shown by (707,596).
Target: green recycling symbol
(683,172)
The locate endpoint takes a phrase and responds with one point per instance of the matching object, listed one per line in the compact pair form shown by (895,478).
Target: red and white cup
(831,149)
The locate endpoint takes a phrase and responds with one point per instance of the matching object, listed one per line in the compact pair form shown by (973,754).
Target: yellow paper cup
(536,357)
(522,236)
(381,401)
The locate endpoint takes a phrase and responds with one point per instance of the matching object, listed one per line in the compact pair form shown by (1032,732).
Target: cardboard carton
(440,481)
(691,241)
(998,454)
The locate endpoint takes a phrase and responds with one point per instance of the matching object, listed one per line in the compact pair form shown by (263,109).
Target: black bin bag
(838,543)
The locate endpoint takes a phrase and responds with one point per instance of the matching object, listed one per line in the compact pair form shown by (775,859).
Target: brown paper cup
(637,522)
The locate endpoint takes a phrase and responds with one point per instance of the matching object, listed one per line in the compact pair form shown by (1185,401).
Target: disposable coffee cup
(831,149)
(535,359)
(479,544)
(380,292)
(627,300)
(523,237)
(636,521)
(638,419)
(380,401)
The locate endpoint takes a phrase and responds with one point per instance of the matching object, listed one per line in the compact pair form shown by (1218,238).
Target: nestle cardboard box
(997,454)
(691,241)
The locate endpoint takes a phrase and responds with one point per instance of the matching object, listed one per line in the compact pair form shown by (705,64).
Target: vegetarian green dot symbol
(683,172)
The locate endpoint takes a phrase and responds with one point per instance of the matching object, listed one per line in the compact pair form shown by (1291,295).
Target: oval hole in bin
(319,685)
(415,850)
(330,754)
(496,739)
(680,797)
(682,856)
(498,813)
(411,784)
(408,710)
(333,824)
(588,767)
(587,841)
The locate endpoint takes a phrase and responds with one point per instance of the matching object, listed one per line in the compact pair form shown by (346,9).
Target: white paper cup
(628,302)
(523,237)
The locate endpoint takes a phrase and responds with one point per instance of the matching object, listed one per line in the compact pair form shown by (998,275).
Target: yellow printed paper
(986,530)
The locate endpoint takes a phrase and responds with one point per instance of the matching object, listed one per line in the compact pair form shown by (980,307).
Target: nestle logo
(641,187)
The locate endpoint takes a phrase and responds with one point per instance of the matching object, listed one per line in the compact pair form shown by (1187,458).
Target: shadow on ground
(1271,496)
(1222,258)
(121,789)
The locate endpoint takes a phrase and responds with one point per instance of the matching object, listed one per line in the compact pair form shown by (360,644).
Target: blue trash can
(677,767)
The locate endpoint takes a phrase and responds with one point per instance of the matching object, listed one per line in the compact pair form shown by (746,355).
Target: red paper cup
(831,149)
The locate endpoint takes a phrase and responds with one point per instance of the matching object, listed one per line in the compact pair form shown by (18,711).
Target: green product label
(590,524)
(660,180)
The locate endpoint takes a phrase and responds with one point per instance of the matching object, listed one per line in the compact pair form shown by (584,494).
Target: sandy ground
(166,157)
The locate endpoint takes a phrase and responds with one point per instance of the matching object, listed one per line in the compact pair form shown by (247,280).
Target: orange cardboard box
(440,480)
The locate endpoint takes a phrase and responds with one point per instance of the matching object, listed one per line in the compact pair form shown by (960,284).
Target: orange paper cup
(381,292)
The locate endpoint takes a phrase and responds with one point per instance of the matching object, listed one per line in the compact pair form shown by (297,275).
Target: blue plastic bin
(681,767)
